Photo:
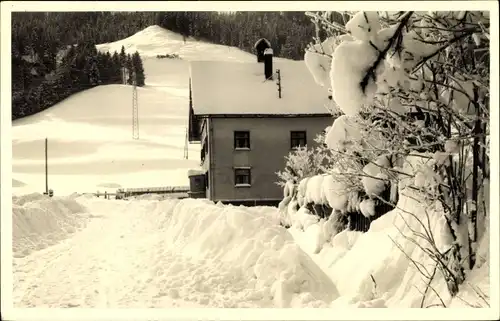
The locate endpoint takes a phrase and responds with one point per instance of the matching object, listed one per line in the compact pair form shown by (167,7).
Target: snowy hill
(155,40)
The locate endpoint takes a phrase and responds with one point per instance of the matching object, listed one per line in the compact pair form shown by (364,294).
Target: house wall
(205,139)
(269,144)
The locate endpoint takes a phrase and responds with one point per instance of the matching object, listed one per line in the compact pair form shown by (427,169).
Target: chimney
(260,46)
(268,63)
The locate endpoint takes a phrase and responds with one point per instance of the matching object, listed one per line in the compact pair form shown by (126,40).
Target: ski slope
(90,145)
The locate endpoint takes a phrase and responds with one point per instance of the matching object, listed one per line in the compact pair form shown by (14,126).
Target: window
(242,177)
(241,140)
(297,138)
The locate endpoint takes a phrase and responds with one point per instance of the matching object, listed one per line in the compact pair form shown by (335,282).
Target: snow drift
(39,221)
(167,253)
(251,241)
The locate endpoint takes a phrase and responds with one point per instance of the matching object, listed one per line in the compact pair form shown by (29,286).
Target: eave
(262,115)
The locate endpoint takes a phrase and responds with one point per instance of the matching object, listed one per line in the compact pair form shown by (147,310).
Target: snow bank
(252,242)
(39,221)
(372,269)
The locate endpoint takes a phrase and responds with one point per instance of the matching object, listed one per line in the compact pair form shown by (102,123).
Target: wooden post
(279,82)
(46,169)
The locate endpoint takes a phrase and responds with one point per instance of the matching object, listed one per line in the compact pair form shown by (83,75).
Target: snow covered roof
(239,88)
(195,172)
(262,39)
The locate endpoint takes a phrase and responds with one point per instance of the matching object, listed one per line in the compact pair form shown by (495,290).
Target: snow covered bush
(302,162)
(413,88)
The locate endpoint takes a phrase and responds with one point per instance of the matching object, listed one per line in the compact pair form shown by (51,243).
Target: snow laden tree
(413,88)
(304,162)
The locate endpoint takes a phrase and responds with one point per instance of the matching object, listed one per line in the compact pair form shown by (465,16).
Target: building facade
(241,155)
(246,125)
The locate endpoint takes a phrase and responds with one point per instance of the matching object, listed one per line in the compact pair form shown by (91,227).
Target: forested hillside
(54,55)
(289,32)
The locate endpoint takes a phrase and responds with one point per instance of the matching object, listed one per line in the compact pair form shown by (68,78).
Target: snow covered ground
(152,253)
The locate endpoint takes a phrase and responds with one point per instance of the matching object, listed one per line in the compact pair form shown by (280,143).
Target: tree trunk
(475,186)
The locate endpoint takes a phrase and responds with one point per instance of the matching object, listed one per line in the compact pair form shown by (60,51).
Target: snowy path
(121,260)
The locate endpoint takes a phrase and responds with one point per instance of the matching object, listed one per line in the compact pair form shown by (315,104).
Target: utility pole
(279,82)
(46,169)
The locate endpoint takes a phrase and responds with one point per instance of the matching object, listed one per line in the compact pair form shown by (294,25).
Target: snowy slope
(155,40)
(90,133)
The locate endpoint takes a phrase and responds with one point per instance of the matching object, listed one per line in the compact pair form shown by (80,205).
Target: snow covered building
(247,122)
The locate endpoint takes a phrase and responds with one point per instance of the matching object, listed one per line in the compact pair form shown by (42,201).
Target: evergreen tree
(138,69)
(62,79)
(93,72)
(19,74)
(287,50)
(116,69)
(130,69)
(123,57)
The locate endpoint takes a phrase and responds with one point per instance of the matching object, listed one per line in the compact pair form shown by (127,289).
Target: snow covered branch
(414,91)
(370,73)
